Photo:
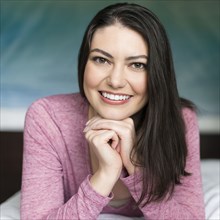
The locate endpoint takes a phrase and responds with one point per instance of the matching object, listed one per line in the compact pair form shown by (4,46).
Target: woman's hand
(104,144)
(124,130)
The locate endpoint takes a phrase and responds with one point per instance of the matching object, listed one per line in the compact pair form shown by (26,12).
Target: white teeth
(115,97)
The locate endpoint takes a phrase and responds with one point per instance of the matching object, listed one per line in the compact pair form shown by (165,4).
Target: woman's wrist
(130,168)
(103,182)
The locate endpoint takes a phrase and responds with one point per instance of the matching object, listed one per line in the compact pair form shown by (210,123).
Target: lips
(115,97)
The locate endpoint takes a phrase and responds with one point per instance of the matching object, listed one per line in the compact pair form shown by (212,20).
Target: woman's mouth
(114,98)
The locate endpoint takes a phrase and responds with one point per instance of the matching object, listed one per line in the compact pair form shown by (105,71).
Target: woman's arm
(187,201)
(42,178)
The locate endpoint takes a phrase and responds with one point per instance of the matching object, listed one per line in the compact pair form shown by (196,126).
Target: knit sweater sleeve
(187,201)
(42,177)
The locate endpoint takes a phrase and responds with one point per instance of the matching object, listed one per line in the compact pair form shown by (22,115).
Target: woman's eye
(100,60)
(139,66)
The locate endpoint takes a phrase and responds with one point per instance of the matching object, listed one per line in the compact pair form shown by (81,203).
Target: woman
(127,144)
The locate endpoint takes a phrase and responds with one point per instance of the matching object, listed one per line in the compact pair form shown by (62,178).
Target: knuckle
(111,132)
(87,136)
(127,131)
(130,121)
(96,140)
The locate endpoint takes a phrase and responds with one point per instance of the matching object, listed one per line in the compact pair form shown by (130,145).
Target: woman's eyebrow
(110,56)
(102,52)
(137,57)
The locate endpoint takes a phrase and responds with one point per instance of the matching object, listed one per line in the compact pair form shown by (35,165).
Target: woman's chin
(111,116)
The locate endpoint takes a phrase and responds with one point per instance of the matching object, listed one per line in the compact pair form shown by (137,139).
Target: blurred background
(40,42)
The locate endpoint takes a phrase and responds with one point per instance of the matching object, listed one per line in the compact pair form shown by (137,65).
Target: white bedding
(211,184)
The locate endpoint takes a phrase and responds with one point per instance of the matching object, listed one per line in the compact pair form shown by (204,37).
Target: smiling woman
(115,78)
(127,144)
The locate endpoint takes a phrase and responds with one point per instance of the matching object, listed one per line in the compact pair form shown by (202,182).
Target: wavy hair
(161,146)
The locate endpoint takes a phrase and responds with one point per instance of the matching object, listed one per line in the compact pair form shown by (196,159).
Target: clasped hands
(111,142)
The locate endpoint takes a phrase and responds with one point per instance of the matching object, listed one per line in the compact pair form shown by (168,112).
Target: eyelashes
(100,60)
(136,66)
(139,66)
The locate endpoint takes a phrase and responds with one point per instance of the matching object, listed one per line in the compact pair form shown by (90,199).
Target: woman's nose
(116,78)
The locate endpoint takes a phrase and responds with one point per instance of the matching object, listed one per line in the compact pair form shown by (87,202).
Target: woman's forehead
(118,38)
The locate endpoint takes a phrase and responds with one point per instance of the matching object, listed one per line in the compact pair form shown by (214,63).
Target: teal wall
(40,42)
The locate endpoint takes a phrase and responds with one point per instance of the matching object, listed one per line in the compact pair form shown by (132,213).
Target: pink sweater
(56,169)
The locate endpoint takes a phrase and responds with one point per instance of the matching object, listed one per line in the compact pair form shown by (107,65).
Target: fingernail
(88,122)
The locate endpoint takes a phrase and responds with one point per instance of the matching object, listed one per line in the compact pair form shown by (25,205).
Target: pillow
(10,209)
(211,183)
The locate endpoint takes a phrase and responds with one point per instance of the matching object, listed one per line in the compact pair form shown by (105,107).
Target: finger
(89,135)
(93,119)
(90,122)
(114,141)
(123,129)
(129,121)
(99,137)
(110,137)
(118,148)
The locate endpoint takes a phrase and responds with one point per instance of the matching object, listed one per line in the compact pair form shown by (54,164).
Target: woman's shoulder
(63,101)
(72,103)
(189,114)
(191,123)
(70,99)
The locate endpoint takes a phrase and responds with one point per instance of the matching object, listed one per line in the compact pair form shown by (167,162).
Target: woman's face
(115,78)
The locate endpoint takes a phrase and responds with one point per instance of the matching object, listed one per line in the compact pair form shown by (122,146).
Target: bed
(11,163)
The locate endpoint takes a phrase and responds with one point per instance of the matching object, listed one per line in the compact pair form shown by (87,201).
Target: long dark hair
(161,146)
